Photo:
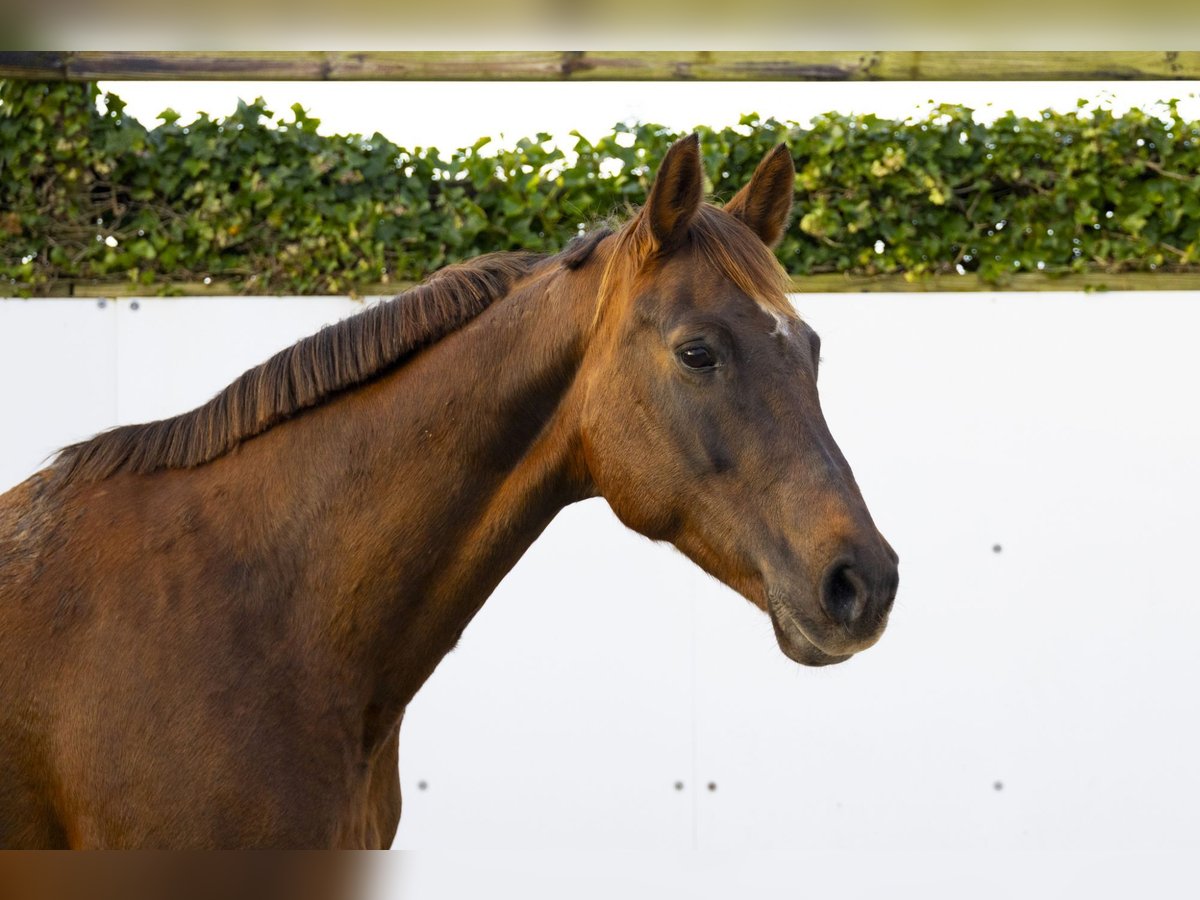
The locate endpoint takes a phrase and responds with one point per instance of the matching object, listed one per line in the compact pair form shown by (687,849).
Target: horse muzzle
(844,613)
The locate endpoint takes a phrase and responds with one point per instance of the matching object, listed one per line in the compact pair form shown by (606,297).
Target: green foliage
(275,207)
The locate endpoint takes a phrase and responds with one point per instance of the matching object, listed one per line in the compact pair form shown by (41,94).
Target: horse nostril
(841,594)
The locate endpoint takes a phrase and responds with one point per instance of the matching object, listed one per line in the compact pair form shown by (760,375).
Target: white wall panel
(535,874)
(58,379)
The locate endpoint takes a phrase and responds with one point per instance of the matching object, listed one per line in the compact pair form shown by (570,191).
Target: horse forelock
(741,256)
(725,243)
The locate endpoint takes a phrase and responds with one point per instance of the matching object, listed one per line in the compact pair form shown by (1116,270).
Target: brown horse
(210,626)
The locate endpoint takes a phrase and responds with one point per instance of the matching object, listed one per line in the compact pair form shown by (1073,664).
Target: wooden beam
(519,65)
(838,283)
(807,284)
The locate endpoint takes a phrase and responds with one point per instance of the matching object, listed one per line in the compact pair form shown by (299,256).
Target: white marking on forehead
(782,325)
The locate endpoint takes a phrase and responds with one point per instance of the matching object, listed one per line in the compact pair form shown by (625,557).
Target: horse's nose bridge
(840,504)
(821,465)
(829,519)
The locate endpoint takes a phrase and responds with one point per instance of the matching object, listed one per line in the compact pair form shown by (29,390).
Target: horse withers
(211,625)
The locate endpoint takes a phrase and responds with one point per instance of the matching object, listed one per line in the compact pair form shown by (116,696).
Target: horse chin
(795,644)
(807,653)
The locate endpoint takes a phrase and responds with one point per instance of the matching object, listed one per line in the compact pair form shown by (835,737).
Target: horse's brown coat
(210,627)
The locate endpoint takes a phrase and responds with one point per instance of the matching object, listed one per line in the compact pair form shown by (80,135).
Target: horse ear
(676,194)
(766,202)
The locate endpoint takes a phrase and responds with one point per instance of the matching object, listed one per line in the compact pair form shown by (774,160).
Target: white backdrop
(1033,459)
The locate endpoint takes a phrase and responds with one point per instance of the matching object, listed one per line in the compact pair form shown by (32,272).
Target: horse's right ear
(766,202)
(676,195)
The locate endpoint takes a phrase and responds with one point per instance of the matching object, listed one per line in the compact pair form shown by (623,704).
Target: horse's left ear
(766,202)
(676,194)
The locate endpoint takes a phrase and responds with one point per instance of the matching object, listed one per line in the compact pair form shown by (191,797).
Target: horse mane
(307,373)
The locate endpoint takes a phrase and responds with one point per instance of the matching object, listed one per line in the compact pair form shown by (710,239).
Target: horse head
(702,424)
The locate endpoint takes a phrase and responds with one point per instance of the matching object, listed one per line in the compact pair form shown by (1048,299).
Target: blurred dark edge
(153,875)
(598,24)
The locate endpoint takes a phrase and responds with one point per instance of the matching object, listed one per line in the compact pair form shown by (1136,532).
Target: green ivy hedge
(274,207)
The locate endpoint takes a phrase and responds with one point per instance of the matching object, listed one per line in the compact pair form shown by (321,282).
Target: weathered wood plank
(518,65)
(1029,281)
(1030,65)
(810,284)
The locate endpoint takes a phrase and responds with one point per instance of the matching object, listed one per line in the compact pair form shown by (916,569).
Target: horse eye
(697,356)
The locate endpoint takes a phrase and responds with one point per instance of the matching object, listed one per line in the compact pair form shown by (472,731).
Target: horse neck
(407,500)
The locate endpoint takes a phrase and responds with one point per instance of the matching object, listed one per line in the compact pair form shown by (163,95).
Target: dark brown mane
(338,357)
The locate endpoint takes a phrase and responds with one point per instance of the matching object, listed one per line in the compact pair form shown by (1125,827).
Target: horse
(211,625)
